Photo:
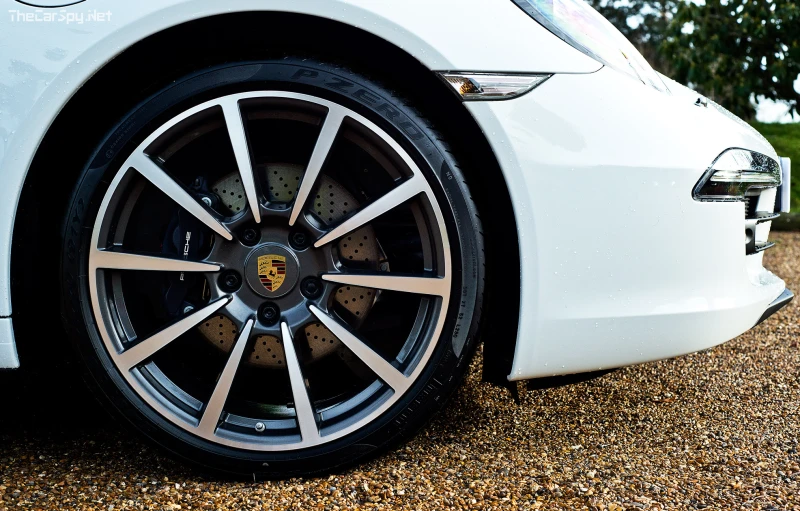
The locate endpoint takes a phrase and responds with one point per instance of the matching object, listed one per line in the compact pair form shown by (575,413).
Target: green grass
(785,138)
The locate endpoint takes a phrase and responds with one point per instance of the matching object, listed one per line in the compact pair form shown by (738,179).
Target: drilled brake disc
(331,203)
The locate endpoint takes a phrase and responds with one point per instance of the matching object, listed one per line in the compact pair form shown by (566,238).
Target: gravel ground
(715,430)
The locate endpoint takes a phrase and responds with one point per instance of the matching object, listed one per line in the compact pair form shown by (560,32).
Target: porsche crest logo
(272,271)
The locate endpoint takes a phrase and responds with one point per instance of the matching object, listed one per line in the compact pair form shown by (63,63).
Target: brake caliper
(185,239)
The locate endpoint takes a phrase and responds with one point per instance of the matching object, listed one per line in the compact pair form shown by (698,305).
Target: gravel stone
(716,429)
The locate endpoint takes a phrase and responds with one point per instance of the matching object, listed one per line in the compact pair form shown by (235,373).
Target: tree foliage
(729,50)
(732,49)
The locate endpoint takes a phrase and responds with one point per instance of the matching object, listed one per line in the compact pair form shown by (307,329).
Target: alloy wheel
(269,270)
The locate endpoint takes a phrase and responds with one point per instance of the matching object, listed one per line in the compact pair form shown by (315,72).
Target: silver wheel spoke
(153,173)
(235,124)
(391,200)
(306,418)
(130,358)
(213,410)
(434,286)
(333,121)
(123,261)
(385,371)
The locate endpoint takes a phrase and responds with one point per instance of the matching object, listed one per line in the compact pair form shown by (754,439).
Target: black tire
(450,360)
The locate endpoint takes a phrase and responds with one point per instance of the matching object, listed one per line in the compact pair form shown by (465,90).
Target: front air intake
(752,178)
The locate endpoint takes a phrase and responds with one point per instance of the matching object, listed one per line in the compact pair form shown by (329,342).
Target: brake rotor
(219,330)
(332,202)
(231,192)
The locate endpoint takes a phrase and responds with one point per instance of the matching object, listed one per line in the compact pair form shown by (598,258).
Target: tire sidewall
(450,357)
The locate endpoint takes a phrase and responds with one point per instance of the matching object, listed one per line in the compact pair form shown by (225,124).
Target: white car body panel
(619,264)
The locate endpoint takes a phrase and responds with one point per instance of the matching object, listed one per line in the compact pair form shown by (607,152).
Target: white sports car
(283,226)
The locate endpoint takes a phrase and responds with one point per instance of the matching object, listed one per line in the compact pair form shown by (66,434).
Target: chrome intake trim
(751,245)
(766,245)
(762,217)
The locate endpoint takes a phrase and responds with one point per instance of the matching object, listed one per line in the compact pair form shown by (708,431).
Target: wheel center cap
(272,270)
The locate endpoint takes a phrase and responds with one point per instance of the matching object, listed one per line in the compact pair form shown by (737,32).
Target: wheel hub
(361,246)
(272,270)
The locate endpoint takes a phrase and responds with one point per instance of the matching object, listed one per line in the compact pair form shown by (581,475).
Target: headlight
(734,172)
(585,29)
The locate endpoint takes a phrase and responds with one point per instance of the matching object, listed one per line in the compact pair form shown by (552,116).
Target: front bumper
(779,303)
(619,264)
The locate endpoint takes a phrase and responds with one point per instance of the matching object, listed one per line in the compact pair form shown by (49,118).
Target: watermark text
(60,16)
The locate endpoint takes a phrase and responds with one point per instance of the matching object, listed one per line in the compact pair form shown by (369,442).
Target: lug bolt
(299,240)
(269,313)
(250,236)
(311,287)
(260,427)
(207,201)
(229,280)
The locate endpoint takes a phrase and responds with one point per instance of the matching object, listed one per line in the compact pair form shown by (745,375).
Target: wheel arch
(135,74)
